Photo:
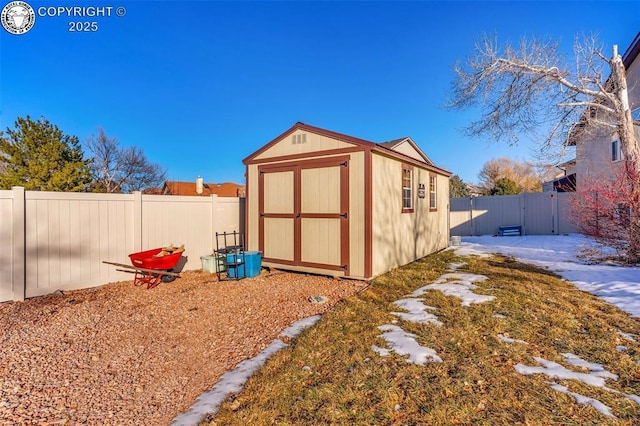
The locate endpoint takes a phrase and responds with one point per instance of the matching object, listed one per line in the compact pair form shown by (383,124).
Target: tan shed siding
(310,143)
(400,238)
(278,237)
(320,242)
(280,200)
(406,149)
(442,216)
(357,212)
(252,208)
(315,182)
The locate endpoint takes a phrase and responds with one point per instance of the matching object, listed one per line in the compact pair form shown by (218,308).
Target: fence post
(555,222)
(137,221)
(523,206)
(471,223)
(214,220)
(18,286)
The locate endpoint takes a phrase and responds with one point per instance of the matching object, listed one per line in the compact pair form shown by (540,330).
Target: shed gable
(301,141)
(408,147)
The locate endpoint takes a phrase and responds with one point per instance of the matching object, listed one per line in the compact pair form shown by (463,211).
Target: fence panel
(540,213)
(545,213)
(167,220)
(68,235)
(489,213)
(57,241)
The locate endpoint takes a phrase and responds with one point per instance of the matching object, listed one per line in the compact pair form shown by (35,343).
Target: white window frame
(407,190)
(433,192)
(616,150)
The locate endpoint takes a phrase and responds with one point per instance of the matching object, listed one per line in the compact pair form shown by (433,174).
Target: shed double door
(304,213)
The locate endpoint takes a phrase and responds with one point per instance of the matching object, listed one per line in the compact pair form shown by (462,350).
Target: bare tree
(118,169)
(526,175)
(530,87)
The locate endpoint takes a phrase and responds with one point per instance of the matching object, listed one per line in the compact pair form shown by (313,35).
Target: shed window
(407,189)
(432,193)
(616,153)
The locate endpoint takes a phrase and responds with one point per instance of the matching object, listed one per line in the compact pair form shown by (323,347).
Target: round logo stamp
(18,17)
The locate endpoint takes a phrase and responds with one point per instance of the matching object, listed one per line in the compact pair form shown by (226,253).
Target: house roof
(226,189)
(632,52)
(391,148)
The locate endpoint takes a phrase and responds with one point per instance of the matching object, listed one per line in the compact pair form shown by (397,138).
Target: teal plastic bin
(250,268)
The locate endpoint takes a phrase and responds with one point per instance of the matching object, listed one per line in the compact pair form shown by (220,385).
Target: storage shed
(324,202)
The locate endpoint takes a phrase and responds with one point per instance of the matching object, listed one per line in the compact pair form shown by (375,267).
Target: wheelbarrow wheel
(168,278)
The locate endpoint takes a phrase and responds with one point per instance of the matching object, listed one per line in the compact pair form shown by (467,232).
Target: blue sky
(200,85)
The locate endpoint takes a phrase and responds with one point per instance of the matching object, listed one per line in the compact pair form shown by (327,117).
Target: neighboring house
(199,188)
(324,202)
(565,180)
(474,190)
(598,155)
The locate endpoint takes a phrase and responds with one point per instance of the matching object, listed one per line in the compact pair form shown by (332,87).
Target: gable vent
(299,138)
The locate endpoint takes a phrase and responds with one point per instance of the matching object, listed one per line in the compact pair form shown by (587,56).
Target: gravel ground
(120,354)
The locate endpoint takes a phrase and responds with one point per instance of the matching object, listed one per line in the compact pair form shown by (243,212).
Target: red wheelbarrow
(153,266)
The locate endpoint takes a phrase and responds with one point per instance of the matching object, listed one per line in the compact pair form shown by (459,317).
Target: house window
(616,154)
(407,189)
(432,193)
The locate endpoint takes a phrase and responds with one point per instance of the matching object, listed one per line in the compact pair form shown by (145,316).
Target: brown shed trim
(344,215)
(378,148)
(307,164)
(307,155)
(312,129)
(406,159)
(368,213)
(246,206)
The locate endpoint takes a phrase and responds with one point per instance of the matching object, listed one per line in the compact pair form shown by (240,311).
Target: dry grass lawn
(345,382)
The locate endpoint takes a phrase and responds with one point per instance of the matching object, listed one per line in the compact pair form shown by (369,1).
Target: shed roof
(390,148)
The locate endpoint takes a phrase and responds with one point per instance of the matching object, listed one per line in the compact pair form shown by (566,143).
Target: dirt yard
(120,354)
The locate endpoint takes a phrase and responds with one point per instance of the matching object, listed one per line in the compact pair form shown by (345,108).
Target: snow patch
(557,371)
(584,400)
(627,336)
(459,285)
(510,340)
(595,369)
(233,381)
(404,343)
(456,265)
(617,285)
(416,311)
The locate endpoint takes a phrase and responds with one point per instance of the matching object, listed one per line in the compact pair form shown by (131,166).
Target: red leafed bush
(609,211)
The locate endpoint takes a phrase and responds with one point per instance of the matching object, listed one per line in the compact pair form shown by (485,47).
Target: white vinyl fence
(540,213)
(57,240)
